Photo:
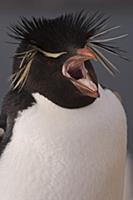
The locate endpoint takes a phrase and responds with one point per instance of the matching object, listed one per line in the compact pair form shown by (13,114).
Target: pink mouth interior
(75,70)
(76,73)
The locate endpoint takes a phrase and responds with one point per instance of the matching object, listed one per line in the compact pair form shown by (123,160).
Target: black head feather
(68,32)
(33,71)
(59,34)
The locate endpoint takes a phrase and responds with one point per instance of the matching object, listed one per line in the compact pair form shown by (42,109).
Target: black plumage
(61,33)
(34,70)
(65,34)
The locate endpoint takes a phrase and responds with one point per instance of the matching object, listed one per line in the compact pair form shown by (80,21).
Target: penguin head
(54,58)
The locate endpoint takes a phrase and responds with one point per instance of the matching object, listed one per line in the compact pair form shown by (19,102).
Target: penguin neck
(62,96)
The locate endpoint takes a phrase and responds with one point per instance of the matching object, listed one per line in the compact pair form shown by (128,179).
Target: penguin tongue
(87,83)
(86,86)
(75,70)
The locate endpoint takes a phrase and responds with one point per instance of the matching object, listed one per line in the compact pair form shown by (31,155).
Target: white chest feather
(62,154)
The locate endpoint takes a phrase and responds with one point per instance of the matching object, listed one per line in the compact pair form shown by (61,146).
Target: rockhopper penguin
(65,135)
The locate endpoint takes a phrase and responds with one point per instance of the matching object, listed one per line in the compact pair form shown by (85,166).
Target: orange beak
(86,52)
(74,69)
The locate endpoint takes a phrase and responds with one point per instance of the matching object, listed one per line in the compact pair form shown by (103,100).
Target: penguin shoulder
(13,102)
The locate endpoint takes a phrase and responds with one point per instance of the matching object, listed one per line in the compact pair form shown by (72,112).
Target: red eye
(50,62)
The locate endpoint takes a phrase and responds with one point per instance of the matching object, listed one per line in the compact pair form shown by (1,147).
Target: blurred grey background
(121,12)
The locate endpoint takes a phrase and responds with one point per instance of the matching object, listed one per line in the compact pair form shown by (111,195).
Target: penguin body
(64,135)
(57,153)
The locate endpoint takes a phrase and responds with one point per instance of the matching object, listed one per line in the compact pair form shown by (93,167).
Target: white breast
(62,154)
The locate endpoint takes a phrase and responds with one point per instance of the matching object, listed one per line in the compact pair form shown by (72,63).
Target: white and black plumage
(65,136)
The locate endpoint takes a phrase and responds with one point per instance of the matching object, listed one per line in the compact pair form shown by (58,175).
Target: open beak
(74,69)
